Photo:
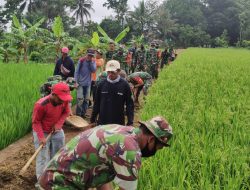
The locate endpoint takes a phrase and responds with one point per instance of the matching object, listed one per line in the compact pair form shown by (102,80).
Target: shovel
(23,170)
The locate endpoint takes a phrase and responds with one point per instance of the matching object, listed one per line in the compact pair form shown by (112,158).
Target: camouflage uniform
(140,78)
(103,75)
(146,78)
(152,62)
(120,56)
(110,55)
(140,60)
(98,155)
(45,89)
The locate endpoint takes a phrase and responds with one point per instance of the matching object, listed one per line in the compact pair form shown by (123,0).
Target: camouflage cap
(160,129)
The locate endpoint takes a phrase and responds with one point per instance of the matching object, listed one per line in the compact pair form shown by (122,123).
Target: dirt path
(15,156)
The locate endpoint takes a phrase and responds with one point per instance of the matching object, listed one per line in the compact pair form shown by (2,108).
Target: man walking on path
(85,67)
(112,94)
(48,116)
(152,61)
(106,153)
(65,65)
(140,58)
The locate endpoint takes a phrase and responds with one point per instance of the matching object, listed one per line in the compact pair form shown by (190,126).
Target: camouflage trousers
(153,70)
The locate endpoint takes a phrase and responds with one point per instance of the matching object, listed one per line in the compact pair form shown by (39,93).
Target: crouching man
(105,153)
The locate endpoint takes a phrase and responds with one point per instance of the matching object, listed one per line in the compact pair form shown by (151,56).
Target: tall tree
(82,8)
(221,15)
(165,25)
(139,16)
(120,7)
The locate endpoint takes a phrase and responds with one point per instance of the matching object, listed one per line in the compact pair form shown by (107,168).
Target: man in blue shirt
(86,65)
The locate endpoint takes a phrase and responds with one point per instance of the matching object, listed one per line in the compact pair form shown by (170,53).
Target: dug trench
(15,156)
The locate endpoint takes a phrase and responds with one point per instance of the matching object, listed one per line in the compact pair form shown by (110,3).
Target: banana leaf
(95,39)
(103,33)
(122,35)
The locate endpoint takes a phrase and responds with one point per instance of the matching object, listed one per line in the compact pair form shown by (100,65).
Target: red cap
(65,50)
(62,91)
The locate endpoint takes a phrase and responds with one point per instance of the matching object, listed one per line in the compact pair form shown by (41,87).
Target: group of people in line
(113,149)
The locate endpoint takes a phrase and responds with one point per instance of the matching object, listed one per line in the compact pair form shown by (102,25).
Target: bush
(36,56)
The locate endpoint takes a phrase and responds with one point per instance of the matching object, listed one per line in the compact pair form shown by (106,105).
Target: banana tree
(118,38)
(24,35)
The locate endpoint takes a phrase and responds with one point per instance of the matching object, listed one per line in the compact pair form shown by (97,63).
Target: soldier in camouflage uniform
(120,56)
(111,52)
(105,153)
(140,57)
(152,61)
(45,89)
(140,81)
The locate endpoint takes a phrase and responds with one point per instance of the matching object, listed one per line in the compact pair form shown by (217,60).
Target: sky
(100,11)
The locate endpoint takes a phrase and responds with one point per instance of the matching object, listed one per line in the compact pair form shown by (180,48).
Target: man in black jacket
(111,97)
(65,65)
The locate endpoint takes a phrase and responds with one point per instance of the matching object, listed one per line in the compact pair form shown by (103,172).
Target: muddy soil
(15,156)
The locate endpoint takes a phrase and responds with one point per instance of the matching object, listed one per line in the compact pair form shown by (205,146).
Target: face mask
(145,152)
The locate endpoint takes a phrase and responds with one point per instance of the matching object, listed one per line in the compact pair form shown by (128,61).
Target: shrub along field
(204,95)
(19,91)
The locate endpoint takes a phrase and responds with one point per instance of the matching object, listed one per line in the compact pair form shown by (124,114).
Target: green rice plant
(19,91)
(204,95)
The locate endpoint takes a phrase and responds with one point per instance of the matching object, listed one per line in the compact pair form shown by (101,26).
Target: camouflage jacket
(152,57)
(140,56)
(110,55)
(45,89)
(95,157)
(146,78)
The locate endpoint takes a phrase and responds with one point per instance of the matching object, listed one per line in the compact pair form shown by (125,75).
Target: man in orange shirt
(99,68)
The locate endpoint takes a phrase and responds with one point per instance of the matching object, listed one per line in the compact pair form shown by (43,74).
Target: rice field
(19,91)
(205,96)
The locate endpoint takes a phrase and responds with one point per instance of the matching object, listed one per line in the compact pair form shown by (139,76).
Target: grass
(204,95)
(19,86)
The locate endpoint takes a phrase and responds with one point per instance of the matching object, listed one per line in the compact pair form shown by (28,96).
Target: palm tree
(139,15)
(81,9)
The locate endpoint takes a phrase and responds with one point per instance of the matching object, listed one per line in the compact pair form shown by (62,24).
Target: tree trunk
(25,53)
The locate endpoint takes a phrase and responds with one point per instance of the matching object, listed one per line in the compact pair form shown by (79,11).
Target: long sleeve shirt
(65,67)
(46,116)
(109,103)
(83,72)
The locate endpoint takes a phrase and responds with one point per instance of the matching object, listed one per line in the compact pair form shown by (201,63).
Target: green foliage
(103,33)
(204,95)
(21,90)
(222,41)
(57,27)
(36,56)
(121,35)
(95,39)
(16,22)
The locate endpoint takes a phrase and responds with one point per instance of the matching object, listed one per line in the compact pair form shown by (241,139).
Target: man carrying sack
(48,117)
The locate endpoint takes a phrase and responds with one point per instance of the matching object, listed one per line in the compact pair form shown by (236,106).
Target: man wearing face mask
(106,153)
(48,116)
(112,95)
